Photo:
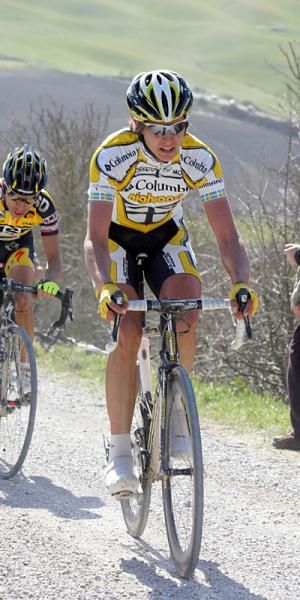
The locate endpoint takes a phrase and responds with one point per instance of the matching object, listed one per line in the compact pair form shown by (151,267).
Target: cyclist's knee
(130,335)
(23,302)
(188,325)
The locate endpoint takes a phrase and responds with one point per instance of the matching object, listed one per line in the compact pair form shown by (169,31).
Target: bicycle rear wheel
(182,485)
(136,510)
(17,409)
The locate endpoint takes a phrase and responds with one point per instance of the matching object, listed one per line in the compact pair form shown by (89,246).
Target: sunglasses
(30,200)
(161,130)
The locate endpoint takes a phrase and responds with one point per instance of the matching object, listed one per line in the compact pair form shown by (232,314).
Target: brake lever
(242,298)
(112,344)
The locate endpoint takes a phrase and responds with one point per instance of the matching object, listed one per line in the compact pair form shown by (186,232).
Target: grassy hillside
(223,48)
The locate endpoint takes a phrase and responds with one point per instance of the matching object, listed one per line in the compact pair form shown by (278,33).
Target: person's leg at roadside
(291,441)
(293,381)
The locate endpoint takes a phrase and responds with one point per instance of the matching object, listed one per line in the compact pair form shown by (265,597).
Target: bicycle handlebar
(243,330)
(65,297)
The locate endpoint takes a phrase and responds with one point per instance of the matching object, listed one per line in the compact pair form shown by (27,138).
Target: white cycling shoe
(180,445)
(121,478)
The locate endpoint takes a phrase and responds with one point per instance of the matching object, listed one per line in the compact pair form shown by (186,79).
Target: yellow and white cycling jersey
(146,193)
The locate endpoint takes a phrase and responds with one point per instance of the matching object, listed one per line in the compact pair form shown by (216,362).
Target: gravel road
(62,537)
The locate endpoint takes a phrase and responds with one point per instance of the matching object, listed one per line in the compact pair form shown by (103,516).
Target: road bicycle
(167,414)
(17,405)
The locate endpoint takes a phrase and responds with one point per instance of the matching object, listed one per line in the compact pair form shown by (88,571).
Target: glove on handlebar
(110,293)
(50,287)
(237,287)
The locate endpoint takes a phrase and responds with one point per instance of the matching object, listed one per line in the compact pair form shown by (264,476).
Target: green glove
(50,287)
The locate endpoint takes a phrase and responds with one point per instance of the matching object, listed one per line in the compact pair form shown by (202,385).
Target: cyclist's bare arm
(53,271)
(232,250)
(97,258)
(52,252)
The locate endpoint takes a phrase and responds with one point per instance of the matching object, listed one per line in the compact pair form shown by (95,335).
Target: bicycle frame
(169,357)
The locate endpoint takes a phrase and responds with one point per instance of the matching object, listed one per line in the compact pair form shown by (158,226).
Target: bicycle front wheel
(17,403)
(182,484)
(135,510)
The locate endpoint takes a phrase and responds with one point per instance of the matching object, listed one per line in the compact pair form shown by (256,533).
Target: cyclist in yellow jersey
(24,206)
(139,177)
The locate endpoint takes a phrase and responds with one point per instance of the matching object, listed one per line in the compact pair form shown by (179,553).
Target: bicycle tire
(136,510)
(182,485)
(18,411)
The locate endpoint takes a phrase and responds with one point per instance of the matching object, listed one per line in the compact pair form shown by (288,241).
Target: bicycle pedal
(124,495)
(106,444)
(26,400)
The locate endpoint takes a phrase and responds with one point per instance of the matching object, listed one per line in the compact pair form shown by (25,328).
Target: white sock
(120,445)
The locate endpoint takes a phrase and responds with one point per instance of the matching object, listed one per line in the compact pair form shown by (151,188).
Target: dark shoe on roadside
(287,442)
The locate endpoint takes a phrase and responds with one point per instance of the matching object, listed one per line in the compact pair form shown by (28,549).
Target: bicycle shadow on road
(148,561)
(41,493)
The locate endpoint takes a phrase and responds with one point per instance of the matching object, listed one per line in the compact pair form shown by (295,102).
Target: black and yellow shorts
(168,250)
(19,252)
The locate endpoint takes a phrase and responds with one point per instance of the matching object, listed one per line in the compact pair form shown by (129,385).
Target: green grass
(73,364)
(233,405)
(224,48)
(236,405)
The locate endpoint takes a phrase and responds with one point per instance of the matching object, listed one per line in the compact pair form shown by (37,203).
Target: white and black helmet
(160,96)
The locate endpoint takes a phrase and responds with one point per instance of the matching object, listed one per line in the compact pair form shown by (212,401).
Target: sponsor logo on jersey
(42,204)
(144,170)
(196,161)
(118,160)
(158,186)
(149,198)
(169,260)
(51,219)
(125,268)
(214,182)
(11,246)
(193,162)
(7,231)
(19,254)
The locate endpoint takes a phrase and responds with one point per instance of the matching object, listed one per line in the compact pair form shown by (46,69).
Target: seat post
(140,259)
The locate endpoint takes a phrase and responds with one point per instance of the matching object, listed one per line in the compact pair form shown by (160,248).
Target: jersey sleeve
(100,188)
(213,186)
(112,165)
(47,213)
(201,169)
